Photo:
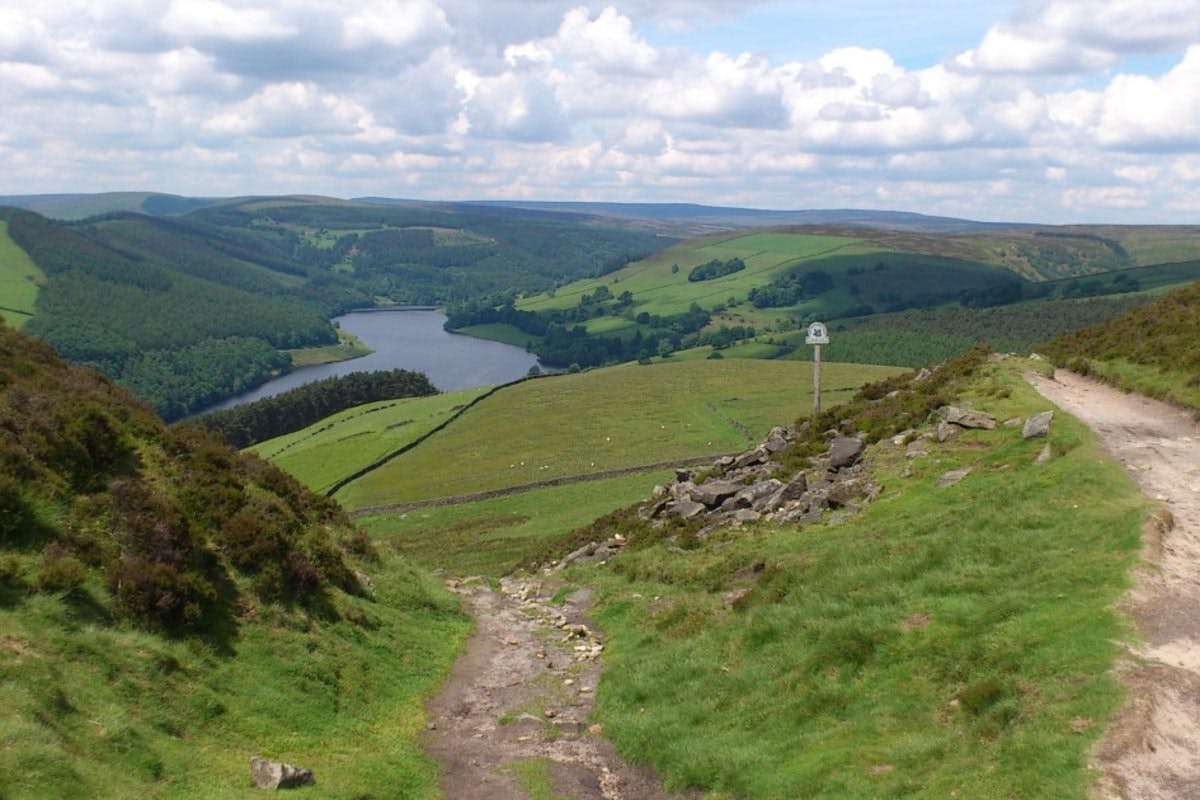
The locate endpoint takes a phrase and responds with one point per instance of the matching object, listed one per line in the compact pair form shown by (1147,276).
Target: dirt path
(1153,748)
(519,699)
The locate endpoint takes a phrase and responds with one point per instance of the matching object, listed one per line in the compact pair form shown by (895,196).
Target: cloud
(1043,114)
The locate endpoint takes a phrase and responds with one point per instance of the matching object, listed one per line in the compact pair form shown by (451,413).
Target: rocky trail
(519,700)
(1152,749)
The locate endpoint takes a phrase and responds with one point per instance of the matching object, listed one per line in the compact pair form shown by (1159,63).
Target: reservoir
(413,340)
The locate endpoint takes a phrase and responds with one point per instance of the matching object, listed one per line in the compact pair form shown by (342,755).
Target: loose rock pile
(746,488)
(740,489)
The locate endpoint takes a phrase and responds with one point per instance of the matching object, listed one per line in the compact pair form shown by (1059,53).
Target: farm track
(1150,749)
(565,480)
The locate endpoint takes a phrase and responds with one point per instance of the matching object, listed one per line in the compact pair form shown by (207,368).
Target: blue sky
(1033,110)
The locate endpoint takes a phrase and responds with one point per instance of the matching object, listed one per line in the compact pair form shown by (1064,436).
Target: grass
(491,537)
(20,280)
(945,642)
(1173,386)
(533,776)
(603,419)
(348,347)
(335,447)
(91,710)
(658,290)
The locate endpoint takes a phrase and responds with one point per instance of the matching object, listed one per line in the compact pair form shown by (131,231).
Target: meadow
(325,452)
(619,417)
(20,280)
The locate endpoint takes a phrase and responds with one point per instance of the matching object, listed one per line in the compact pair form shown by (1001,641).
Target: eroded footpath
(1152,749)
(519,699)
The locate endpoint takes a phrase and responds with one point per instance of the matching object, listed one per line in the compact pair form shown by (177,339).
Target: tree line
(251,423)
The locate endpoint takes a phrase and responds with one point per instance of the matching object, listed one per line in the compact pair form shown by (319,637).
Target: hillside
(760,288)
(934,638)
(1154,350)
(169,608)
(191,308)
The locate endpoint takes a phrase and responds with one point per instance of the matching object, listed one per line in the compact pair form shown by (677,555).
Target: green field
(657,290)
(944,643)
(331,449)
(20,280)
(603,419)
(491,537)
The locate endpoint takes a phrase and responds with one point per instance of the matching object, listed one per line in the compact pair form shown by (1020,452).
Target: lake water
(413,340)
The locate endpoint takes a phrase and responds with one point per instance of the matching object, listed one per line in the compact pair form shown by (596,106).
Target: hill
(169,608)
(1154,350)
(763,286)
(200,305)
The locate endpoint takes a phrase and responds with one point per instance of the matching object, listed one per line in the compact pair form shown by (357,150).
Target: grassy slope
(491,537)
(109,524)
(331,449)
(946,642)
(20,279)
(1154,349)
(90,710)
(603,419)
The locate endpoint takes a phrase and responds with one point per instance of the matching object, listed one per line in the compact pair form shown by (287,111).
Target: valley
(938,614)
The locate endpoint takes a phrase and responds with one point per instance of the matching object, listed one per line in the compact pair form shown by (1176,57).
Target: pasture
(333,448)
(614,418)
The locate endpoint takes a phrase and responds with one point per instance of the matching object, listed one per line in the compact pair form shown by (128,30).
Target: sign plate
(817,334)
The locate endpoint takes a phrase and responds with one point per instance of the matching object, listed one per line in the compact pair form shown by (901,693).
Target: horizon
(1058,111)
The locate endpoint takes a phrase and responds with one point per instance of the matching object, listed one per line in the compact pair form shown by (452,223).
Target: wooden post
(816,380)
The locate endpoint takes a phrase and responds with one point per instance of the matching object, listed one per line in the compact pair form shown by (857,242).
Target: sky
(1053,111)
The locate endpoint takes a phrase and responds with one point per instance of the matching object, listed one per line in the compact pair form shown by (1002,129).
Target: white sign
(817,334)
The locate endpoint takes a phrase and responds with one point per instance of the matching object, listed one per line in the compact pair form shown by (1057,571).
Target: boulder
(277,775)
(756,456)
(952,477)
(775,444)
(713,493)
(917,448)
(682,491)
(946,431)
(965,418)
(1045,455)
(1037,425)
(744,515)
(750,495)
(923,375)
(687,509)
(844,451)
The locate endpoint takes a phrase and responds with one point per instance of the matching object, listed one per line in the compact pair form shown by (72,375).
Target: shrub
(60,571)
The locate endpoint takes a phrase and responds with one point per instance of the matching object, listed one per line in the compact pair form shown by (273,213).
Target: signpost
(817,336)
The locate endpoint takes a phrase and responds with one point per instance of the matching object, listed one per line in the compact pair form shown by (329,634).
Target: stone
(1045,455)
(266,774)
(776,444)
(750,495)
(743,515)
(947,431)
(965,418)
(917,448)
(687,509)
(682,491)
(952,477)
(844,451)
(922,375)
(659,492)
(713,493)
(794,489)
(756,456)
(1037,425)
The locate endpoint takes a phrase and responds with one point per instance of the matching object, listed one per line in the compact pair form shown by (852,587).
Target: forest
(188,310)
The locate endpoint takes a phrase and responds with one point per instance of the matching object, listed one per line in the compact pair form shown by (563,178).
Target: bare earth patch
(522,692)
(1152,749)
